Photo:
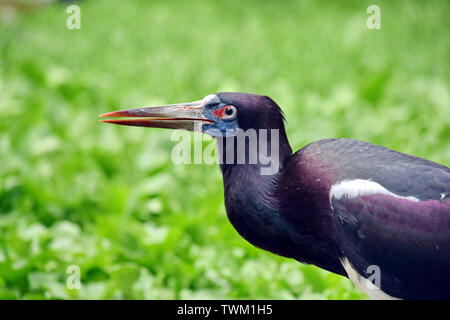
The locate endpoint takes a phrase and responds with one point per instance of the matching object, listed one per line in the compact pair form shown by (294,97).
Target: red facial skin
(219,113)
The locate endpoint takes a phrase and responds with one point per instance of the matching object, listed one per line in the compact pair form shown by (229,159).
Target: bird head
(220,114)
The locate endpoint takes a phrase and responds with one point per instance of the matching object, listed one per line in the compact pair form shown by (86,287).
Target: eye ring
(229,112)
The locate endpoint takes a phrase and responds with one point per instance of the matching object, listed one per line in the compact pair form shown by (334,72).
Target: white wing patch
(365,285)
(360,187)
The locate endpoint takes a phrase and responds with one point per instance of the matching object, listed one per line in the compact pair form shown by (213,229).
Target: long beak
(187,116)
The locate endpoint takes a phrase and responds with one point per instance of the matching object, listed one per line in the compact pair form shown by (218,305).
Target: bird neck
(260,152)
(251,205)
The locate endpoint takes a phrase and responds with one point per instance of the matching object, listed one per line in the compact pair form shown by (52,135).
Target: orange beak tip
(112,114)
(113,121)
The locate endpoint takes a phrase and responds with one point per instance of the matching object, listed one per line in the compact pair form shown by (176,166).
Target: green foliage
(108,199)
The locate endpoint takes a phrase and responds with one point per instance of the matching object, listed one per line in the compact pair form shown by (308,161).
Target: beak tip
(109,114)
(107,120)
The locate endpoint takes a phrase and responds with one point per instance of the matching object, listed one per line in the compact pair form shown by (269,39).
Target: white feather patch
(360,187)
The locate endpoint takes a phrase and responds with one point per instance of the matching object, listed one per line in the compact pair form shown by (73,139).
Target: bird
(363,211)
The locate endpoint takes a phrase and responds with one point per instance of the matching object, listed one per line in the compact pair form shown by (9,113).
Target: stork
(354,208)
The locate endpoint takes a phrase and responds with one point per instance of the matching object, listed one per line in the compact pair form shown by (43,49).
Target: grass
(109,200)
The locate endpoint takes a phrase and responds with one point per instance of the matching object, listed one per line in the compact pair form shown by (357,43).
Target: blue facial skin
(221,127)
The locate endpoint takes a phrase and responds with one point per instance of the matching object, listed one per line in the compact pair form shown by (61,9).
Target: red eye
(227,112)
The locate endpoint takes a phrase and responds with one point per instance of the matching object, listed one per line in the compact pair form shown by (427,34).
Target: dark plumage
(409,241)
(334,203)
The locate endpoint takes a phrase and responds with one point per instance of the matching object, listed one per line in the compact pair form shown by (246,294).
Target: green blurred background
(108,199)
